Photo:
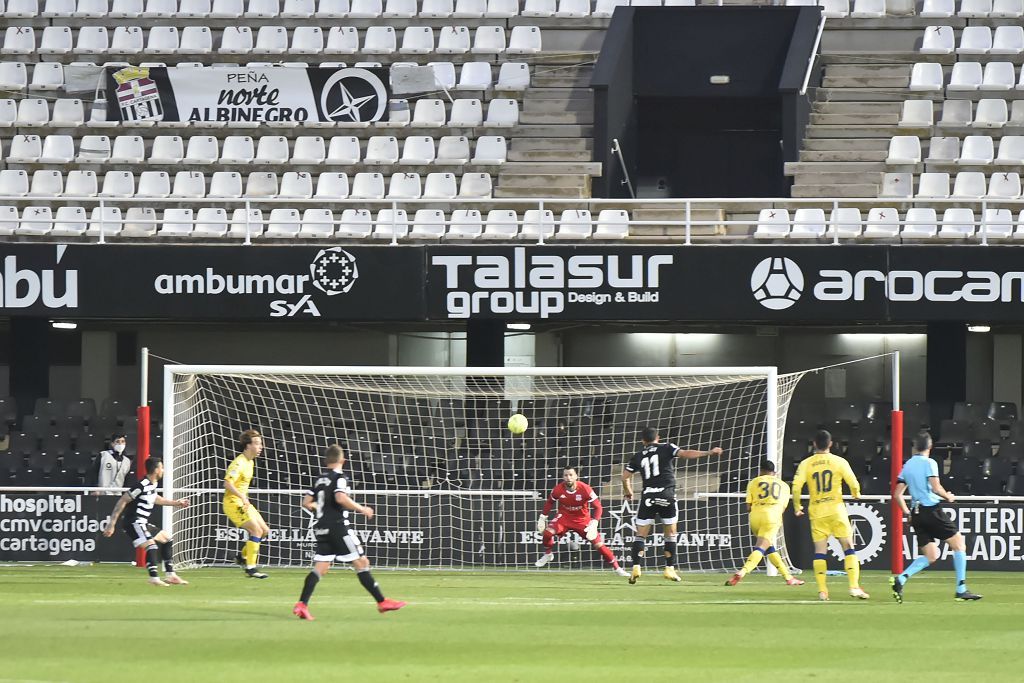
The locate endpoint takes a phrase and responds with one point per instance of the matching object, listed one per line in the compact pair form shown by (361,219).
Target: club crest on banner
(137,95)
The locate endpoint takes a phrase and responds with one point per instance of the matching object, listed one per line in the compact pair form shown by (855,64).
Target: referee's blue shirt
(915,475)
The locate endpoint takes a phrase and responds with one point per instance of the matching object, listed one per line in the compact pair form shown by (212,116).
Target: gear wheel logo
(334,271)
(868,533)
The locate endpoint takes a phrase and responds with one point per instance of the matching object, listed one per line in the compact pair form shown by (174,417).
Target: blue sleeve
(933,468)
(903,474)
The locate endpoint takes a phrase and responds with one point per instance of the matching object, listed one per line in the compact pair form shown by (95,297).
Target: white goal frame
(772,427)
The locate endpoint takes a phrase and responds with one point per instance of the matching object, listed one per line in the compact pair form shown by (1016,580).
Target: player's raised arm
(693,455)
(798,486)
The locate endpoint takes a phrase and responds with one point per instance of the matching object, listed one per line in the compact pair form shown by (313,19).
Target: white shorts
(141,533)
(333,546)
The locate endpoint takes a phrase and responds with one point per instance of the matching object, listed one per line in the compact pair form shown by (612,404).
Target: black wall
(653,93)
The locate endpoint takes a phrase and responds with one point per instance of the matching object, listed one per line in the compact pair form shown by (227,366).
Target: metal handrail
(814,56)
(617,151)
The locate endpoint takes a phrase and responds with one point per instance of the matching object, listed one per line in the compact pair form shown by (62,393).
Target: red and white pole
(142,427)
(895,467)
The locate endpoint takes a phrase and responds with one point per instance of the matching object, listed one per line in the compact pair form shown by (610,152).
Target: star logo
(623,517)
(354,96)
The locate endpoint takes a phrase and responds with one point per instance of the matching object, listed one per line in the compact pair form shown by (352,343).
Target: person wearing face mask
(114,465)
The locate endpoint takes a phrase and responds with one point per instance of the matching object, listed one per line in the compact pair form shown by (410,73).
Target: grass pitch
(104,624)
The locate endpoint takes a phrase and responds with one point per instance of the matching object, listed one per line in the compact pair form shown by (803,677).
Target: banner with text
(994,533)
(212,283)
(247,95)
(55,527)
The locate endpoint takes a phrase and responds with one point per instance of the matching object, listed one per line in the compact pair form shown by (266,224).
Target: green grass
(104,623)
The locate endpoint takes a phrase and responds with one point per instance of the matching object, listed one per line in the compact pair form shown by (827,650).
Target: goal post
(428,448)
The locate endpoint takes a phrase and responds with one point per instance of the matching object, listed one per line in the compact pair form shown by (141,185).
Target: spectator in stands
(114,465)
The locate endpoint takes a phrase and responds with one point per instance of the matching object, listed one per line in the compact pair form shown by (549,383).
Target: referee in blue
(921,476)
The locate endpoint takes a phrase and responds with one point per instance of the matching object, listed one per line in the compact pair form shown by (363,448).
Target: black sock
(670,554)
(366,578)
(166,554)
(312,578)
(152,560)
(638,550)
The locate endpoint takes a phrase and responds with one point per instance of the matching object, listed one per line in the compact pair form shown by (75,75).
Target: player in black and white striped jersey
(138,504)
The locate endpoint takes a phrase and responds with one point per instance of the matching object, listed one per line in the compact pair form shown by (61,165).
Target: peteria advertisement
(247,95)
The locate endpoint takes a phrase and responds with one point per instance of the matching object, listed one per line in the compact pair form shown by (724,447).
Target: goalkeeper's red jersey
(574,504)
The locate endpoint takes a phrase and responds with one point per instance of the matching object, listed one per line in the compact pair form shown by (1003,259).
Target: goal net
(428,448)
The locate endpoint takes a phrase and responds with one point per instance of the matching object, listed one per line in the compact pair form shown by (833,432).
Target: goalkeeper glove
(542,523)
(591,530)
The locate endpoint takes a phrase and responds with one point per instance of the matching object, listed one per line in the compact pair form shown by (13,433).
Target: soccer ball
(518,423)
(777,283)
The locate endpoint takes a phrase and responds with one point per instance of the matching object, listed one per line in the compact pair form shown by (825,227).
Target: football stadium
(461,340)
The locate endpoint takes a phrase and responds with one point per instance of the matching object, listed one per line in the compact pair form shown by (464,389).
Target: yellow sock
(852,566)
(820,567)
(776,560)
(250,553)
(753,559)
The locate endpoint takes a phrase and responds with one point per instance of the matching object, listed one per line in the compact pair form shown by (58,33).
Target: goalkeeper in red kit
(574,499)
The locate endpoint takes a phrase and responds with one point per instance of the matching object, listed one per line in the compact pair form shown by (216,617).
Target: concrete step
(559,105)
(508,180)
(843,155)
(865,82)
(794,167)
(861,190)
(865,94)
(544,155)
(525,168)
(538,191)
(836,178)
(667,213)
(867,71)
(545,93)
(571,118)
(551,144)
(845,144)
(813,131)
(855,119)
(822,107)
(546,130)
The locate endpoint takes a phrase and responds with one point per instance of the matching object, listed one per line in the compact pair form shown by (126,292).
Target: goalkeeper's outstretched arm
(693,455)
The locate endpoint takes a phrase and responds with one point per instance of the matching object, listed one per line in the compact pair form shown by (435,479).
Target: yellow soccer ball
(518,423)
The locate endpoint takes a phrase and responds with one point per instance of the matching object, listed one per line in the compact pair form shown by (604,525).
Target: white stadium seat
(1008,40)
(926,77)
(177,223)
(475,76)
(974,40)
(937,9)
(391,224)
(342,40)
(196,40)
(1011,150)
(513,76)
(501,9)
(167,149)
(537,224)
(845,223)
(1004,186)
(965,76)
(19,40)
(904,149)
(226,185)
(975,9)
(938,40)
(332,9)
(428,224)
(127,40)
(465,224)
(476,186)
(469,9)
(524,40)
(365,9)
(210,222)
(969,185)
(14,182)
(453,40)
(237,149)
(490,149)
(933,185)
(261,184)
(70,221)
(882,223)
(56,40)
(429,113)
(574,224)
(380,40)
(440,186)
(262,9)
(283,223)
(367,186)
(405,186)
(309,149)
(202,149)
(436,9)
(92,40)
(271,40)
(153,184)
(996,224)
(501,224)
(1007,9)
(381,150)
(772,224)
(488,40)
(957,224)
(919,223)
(502,112)
(317,223)
(93,149)
(355,223)
(246,223)
(916,114)
(25,149)
(81,184)
(466,113)
(399,9)
(195,9)
(343,149)
(13,76)
(296,185)
(453,149)
(539,8)
(868,9)
(189,185)
(298,9)
(978,150)
(417,40)
(418,150)
(272,149)
(998,76)
(956,113)
(991,113)
(808,224)
(163,40)
(35,220)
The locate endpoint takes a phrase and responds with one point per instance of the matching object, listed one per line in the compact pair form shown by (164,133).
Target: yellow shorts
(240,515)
(765,526)
(837,525)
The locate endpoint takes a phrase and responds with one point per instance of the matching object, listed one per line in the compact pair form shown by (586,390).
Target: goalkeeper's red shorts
(563,523)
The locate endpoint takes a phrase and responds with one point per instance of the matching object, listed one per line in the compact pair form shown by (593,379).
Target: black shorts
(336,543)
(140,532)
(931,525)
(657,505)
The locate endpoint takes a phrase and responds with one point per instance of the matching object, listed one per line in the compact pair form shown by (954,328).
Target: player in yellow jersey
(824,473)
(767,498)
(236,501)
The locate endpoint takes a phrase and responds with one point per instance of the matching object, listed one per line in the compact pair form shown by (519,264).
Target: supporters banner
(247,95)
(56,527)
(994,533)
(212,283)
